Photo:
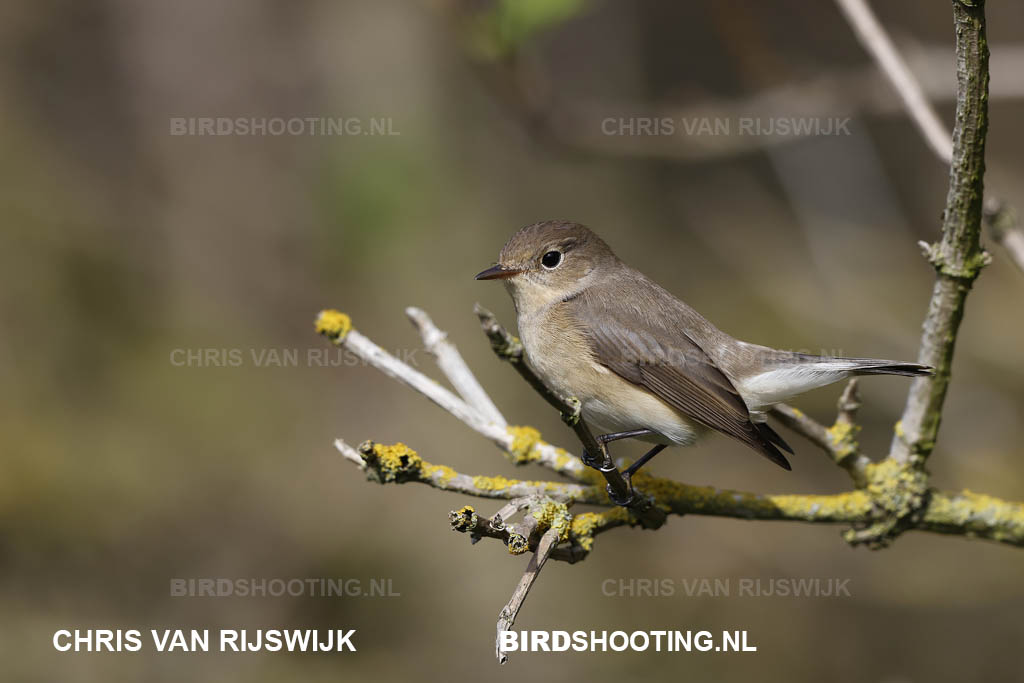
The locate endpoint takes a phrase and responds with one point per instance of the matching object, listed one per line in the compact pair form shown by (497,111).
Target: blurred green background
(122,243)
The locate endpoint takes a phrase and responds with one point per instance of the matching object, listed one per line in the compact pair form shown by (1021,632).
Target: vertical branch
(958,256)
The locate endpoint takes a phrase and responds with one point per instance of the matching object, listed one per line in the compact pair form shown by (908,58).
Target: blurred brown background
(122,243)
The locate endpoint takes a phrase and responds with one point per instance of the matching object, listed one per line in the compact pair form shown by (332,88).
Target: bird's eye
(551,259)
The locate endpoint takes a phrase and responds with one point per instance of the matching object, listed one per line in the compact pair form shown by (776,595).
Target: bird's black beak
(497,272)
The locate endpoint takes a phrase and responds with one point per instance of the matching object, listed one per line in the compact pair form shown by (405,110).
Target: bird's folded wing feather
(662,358)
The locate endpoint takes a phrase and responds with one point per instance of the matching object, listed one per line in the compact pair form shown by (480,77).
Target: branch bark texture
(957,256)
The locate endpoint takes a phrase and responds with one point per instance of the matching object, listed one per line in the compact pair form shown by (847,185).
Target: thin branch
(849,403)
(509,612)
(973,514)
(400,464)
(338,328)
(582,530)
(454,367)
(958,256)
(844,435)
(350,454)
(498,519)
(1000,218)
(522,444)
(880,46)
(806,426)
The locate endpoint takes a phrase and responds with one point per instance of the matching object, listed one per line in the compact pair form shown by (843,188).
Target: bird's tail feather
(823,370)
(888,367)
(767,442)
(868,366)
(770,451)
(772,436)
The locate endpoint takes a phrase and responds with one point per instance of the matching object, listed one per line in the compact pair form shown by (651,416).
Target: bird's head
(550,260)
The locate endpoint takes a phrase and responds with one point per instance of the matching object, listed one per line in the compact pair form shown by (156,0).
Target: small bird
(641,362)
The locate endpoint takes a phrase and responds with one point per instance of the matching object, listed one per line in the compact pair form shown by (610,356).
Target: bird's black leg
(605,464)
(628,473)
(603,440)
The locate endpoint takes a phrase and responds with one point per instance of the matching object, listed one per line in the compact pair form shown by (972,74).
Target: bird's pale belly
(610,403)
(642,411)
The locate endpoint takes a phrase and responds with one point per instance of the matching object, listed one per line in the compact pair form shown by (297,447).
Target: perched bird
(641,362)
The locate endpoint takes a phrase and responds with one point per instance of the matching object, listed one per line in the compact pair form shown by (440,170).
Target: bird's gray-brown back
(657,342)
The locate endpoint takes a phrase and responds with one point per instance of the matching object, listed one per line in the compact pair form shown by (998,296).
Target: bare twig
(343,335)
(844,435)
(877,42)
(511,610)
(522,444)
(498,519)
(1000,218)
(806,426)
(454,367)
(849,403)
(580,538)
(350,454)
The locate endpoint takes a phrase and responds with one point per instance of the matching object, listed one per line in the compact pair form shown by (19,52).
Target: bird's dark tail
(867,366)
(767,442)
(863,366)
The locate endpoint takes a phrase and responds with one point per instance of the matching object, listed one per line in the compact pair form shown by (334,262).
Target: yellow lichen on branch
(333,324)
(524,445)
(896,499)
(553,515)
(400,464)
(975,514)
(496,483)
(586,525)
(843,436)
(528,447)
(464,519)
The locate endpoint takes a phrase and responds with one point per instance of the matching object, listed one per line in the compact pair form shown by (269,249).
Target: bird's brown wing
(654,353)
